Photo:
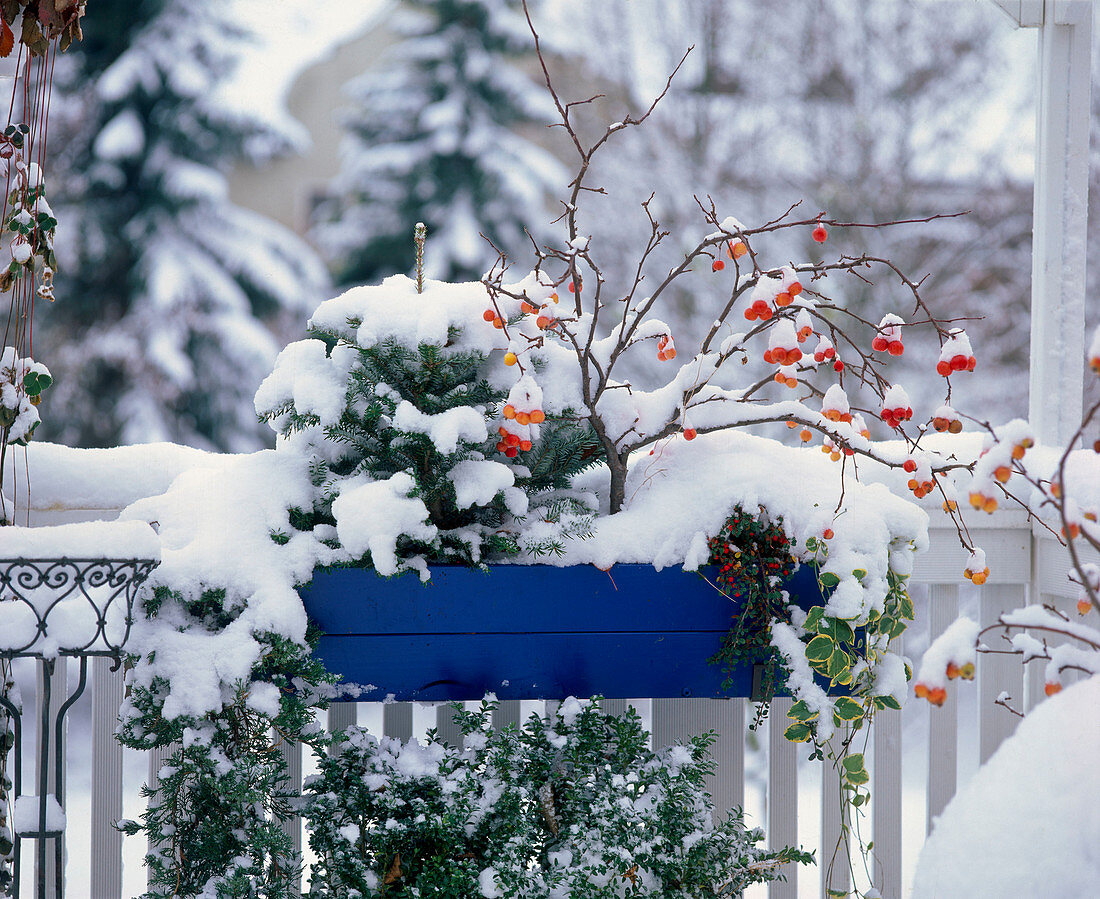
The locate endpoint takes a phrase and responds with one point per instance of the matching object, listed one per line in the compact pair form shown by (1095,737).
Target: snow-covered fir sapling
(573,804)
(397,399)
(1060,491)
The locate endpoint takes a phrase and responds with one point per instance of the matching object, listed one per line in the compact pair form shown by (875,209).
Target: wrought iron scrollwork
(51,608)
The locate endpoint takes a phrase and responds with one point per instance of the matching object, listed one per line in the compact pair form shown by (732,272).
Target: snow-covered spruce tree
(166,284)
(574,805)
(433,139)
(391,413)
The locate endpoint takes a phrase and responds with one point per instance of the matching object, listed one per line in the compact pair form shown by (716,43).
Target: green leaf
(848,709)
(907,607)
(838,629)
(797,732)
(858,777)
(859,799)
(887,702)
(801,712)
(819,649)
(859,573)
(813,617)
(853,762)
(839,665)
(828,579)
(897,629)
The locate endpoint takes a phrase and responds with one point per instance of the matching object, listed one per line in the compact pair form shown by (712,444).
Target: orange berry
(1083,606)
(921,691)
(488,315)
(909,465)
(522,418)
(510,358)
(827,534)
(537,416)
(511,439)
(662,356)
(806,436)
(670,353)
(783,298)
(498,323)
(737,250)
(502,446)
(952,670)
(792,424)
(525,445)
(937,696)
(949,505)
(795,288)
(554,297)
(1051,688)
(1018,451)
(502,431)
(528,308)
(979,577)
(1072,532)
(542,321)
(1002,473)
(955,427)
(990,504)
(509,411)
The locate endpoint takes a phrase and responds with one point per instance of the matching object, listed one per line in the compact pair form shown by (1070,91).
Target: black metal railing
(52,608)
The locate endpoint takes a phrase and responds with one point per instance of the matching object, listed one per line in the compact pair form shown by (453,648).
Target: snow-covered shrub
(572,805)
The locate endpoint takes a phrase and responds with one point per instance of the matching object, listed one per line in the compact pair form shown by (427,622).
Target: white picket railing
(1024,564)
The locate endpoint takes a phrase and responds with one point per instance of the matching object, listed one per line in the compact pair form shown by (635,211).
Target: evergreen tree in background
(165,286)
(432,139)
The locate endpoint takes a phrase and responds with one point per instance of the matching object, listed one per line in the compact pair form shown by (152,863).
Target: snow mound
(1028,824)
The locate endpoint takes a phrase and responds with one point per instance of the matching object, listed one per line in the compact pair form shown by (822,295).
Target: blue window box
(530,632)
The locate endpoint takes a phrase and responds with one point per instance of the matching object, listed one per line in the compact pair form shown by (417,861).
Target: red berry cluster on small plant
(753,557)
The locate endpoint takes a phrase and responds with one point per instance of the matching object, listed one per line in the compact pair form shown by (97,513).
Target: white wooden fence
(1024,566)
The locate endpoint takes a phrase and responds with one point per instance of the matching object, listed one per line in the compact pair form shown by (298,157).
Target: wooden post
(1061,211)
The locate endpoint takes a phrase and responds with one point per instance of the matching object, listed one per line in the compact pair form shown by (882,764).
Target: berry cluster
(773,293)
(753,558)
(946,419)
(956,354)
(523,415)
(888,339)
(666,348)
(896,407)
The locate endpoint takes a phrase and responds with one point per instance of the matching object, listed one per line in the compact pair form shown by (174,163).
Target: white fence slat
(341,715)
(157,758)
(886,804)
(446,726)
(782,795)
(292,755)
(998,673)
(832,853)
(397,720)
(677,720)
(506,713)
(943,744)
(106,860)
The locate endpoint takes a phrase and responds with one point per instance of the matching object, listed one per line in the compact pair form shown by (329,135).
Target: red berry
(943,367)
(910,465)
(895,348)
(690,433)
(820,234)
(838,365)
(879,344)
(717,265)
(827,533)
(488,315)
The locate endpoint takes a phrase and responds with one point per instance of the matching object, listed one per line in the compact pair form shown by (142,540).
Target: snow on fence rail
(1024,564)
